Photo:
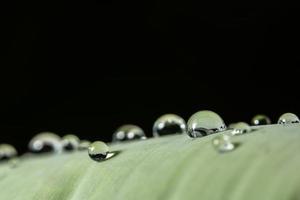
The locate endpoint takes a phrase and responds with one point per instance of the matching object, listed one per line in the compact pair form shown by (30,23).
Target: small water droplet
(98,150)
(84,144)
(260,120)
(288,118)
(231,126)
(205,122)
(240,128)
(222,143)
(70,142)
(45,142)
(128,132)
(7,152)
(169,124)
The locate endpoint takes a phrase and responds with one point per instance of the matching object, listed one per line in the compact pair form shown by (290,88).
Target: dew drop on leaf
(128,132)
(70,142)
(84,144)
(98,150)
(205,122)
(7,152)
(260,120)
(288,118)
(169,124)
(240,128)
(222,143)
(45,142)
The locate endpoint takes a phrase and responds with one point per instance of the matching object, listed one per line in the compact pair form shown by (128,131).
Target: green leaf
(264,166)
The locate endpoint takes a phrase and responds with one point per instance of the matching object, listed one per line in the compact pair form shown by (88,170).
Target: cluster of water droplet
(50,142)
(200,124)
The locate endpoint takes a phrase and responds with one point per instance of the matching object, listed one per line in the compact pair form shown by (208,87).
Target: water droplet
(288,118)
(169,124)
(45,142)
(70,142)
(7,152)
(222,143)
(84,144)
(260,120)
(98,150)
(128,132)
(231,126)
(205,122)
(240,128)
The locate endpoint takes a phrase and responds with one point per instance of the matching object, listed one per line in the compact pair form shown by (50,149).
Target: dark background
(87,67)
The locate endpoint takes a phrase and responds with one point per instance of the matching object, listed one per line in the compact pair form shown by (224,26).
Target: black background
(87,67)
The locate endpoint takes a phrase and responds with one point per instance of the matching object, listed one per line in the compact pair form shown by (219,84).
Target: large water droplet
(288,118)
(205,122)
(7,152)
(222,143)
(70,142)
(128,132)
(169,124)
(45,142)
(240,128)
(98,150)
(260,120)
(84,144)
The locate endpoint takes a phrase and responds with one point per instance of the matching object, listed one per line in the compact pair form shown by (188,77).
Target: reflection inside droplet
(240,128)
(70,142)
(169,124)
(45,142)
(260,120)
(205,122)
(98,151)
(288,118)
(7,152)
(128,132)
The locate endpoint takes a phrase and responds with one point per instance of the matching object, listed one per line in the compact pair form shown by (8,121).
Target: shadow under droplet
(236,145)
(254,129)
(225,151)
(110,155)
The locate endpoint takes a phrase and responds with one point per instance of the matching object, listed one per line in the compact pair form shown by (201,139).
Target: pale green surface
(265,166)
